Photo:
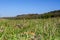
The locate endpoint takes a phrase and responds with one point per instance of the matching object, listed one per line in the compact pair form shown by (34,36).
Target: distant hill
(50,14)
(55,13)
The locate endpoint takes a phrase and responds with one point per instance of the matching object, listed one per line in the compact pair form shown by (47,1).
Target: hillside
(50,14)
(34,27)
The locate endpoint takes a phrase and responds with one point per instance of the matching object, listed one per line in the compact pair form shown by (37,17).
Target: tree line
(50,14)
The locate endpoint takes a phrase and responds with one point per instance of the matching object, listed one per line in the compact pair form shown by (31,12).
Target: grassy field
(32,29)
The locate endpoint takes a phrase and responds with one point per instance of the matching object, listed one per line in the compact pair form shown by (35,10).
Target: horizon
(10,8)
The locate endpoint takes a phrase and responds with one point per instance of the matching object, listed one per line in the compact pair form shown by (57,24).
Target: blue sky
(17,7)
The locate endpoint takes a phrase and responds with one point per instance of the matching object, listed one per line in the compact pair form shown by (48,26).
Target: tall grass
(33,29)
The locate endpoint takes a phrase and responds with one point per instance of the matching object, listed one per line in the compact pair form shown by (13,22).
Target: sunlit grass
(39,29)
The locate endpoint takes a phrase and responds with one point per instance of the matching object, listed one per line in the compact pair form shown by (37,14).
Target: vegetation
(31,27)
(50,14)
(39,29)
